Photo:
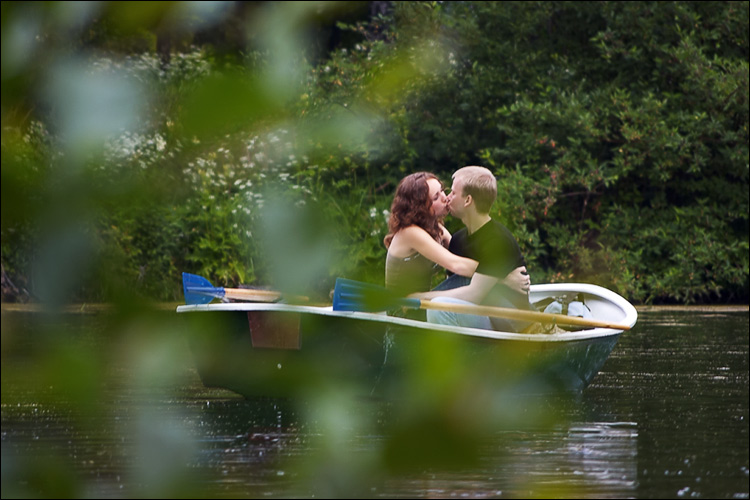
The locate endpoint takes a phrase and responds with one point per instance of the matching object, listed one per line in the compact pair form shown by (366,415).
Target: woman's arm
(418,239)
(476,291)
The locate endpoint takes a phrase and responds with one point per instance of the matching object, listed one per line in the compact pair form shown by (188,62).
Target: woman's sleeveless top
(408,275)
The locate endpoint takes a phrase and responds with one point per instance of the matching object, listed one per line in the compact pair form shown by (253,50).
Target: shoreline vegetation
(262,145)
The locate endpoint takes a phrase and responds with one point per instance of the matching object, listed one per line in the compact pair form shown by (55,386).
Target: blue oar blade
(350,295)
(199,290)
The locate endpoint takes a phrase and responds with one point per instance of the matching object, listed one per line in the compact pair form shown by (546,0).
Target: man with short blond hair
(501,278)
(479,183)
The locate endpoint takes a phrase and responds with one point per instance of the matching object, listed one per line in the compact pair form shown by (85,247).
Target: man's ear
(469,200)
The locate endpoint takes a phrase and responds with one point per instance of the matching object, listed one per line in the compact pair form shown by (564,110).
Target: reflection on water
(587,460)
(583,460)
(593,459)
(666,417)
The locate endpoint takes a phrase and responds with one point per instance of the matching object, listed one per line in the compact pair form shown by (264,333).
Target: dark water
(113,408)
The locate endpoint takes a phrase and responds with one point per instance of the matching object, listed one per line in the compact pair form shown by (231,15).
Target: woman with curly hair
(417,241)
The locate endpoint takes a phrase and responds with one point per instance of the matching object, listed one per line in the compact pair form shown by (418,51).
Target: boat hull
(281,350)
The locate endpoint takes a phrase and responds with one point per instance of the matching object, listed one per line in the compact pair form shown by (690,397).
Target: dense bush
(618,132)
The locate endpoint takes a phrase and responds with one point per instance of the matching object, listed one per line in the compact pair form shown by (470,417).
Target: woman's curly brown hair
(412,206)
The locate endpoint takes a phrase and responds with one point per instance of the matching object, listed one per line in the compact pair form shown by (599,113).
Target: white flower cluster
(376,231)
(240,182)
(140,149)
(148,68)
(236,175)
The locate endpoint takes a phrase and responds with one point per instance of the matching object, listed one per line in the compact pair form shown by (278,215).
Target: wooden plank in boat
(274,330)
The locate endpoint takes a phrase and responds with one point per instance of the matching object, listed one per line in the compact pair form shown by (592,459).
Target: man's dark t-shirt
(497,252)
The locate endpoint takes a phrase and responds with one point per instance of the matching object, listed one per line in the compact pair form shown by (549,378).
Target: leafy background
(260,143)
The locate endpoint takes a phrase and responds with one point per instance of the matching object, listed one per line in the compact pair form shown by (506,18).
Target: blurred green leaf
(229,102)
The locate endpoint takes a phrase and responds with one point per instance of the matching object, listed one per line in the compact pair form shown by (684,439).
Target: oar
(198,290)
(350,295)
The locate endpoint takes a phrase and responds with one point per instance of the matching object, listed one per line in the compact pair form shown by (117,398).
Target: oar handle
(519,314)
(250,294)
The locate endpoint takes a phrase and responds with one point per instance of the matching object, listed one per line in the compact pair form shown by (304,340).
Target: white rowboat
(280,349)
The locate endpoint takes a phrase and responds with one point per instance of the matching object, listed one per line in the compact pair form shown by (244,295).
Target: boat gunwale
(629,312)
